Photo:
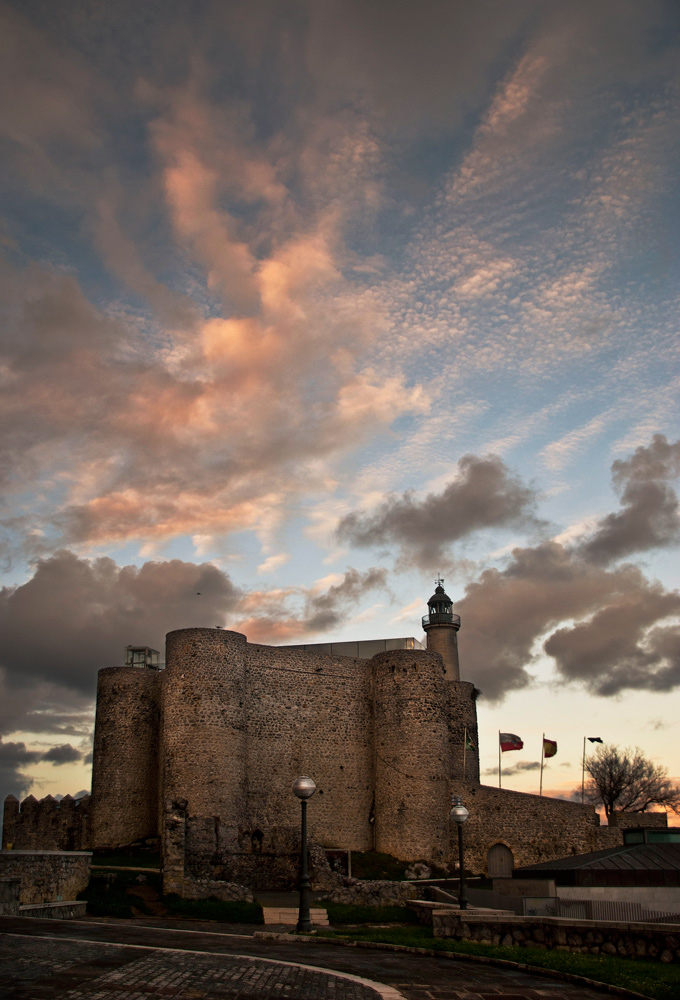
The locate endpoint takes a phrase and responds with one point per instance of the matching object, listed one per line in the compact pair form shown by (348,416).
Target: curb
(565,977)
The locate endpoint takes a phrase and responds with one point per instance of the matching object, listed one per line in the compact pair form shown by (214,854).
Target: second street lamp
(304,788)
(459,814)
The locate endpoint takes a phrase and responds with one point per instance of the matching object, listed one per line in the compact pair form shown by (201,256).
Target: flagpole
(540,787)
(499,758)
(464,749)
(583,772)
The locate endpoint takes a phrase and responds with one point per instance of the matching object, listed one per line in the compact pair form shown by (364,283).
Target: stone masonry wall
(48,824)
(535,828)
(125,759)
(203,734)
(462,720)
(656,942)
(308,714)
(47,876)
(411,755)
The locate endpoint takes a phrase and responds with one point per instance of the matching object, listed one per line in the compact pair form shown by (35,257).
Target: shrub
(231,911)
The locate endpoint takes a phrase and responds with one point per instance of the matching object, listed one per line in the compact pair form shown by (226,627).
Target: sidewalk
(131,960)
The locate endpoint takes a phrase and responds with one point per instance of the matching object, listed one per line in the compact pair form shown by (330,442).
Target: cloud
(650,514)
(483,495)
(519,768)
(284,616)
(13,758)
(76,615)
(64,754)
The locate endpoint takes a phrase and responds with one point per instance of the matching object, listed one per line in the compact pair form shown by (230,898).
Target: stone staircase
(289,915)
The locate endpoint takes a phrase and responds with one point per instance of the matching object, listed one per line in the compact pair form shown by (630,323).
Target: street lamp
(304,788)
(459,814)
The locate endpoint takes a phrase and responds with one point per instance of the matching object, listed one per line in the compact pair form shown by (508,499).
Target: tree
(625,781)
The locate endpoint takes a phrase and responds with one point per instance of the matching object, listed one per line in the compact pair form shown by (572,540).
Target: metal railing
(596,909)
(441,619)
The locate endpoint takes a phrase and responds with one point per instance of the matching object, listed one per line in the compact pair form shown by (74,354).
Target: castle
(201,756)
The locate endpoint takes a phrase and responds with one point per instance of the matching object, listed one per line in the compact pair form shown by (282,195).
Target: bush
(345,913)
(375,865)
(109,896)
(231,911)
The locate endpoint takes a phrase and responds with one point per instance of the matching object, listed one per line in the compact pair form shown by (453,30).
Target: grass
(345,913)
(652,979)
(232,911)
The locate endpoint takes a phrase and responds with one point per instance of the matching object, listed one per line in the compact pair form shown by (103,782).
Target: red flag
(549,747)
(510,742)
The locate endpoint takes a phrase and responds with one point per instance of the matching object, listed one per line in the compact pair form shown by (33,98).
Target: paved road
(126,960)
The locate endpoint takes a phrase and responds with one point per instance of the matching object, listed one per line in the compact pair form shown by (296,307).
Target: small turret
(441,626)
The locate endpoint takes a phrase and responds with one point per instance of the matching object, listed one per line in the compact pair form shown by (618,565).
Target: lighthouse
(441,627)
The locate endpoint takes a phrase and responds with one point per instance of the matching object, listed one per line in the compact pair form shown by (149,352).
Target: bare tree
(625,781)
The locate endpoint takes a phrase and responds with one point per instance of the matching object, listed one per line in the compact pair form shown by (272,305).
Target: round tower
(410,732)
(203,735)
(441,627)
(125,759)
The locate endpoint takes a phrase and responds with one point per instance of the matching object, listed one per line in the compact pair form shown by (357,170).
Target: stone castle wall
(309,714)
(125,759)
(412,762)
(535,828)
(47,824)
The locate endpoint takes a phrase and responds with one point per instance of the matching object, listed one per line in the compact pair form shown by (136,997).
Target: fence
(595,909)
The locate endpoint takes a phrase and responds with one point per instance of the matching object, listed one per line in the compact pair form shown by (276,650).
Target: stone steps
(289,915)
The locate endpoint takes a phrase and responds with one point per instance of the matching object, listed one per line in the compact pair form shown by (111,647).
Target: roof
(627,864)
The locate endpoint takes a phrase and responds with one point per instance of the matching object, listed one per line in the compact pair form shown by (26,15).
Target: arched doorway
(500,861)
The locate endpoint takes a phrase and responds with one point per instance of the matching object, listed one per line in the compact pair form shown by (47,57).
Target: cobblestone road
(46,960)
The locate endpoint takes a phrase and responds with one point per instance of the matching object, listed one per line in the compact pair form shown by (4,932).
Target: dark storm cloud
(64,754)
(418,66)
(484,495)
(13,757)
(324,611)
(519,768)
(650,513)
(623,642)
(75,616)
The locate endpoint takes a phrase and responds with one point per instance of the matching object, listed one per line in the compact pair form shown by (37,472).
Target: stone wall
(657,942)
(10,889)
(625,820)
(372,893)
(47,876)
(411,755)
(309,713)
(535,828)
(125,758)
(462,721)
(47,824)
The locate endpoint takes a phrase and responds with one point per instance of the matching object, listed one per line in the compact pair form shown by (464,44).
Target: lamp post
(459,814)
(304,788)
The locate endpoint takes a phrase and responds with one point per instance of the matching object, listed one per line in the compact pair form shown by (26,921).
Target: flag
(549,747)
(594,739)
(510,742)
(469,745)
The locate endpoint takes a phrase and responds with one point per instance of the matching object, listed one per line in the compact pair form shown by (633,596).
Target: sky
(307,302)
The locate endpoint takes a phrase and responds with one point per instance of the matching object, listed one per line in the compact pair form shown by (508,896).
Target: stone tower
(441,626)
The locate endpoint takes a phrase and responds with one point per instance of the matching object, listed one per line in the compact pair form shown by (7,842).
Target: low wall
(47,876)
(372,893)
(657,942)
